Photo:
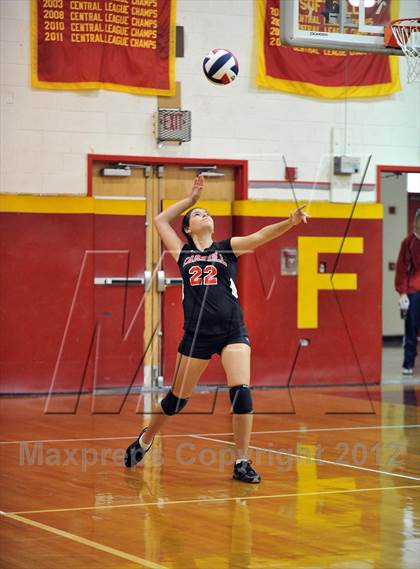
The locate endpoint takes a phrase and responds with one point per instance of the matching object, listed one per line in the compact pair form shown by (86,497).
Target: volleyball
(220,66)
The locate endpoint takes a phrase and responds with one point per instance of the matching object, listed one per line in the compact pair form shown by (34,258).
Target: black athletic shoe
(135,453)
(244,472)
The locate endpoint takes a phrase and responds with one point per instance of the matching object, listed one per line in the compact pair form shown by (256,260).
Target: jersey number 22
(210,275)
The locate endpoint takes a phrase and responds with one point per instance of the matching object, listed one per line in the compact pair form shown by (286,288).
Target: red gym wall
(345,347)
(44,245)
(49,306)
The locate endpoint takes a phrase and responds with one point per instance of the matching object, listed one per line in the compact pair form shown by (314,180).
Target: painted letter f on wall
(310,281)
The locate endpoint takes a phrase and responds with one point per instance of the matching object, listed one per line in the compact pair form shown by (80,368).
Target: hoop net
(407,34)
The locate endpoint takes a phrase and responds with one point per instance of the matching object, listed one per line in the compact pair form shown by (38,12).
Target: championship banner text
(122,45)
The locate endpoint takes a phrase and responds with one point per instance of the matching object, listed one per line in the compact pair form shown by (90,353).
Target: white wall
(45,135)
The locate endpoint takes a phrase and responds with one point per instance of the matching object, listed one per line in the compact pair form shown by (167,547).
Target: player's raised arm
(163,220)
(248,243)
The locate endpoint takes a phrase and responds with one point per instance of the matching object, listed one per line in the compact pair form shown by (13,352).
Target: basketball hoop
(405,34)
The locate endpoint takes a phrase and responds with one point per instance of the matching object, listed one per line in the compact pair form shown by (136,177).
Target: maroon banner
(317,72)
(125,45)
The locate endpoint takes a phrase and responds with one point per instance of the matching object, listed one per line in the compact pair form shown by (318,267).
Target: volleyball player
(213,321)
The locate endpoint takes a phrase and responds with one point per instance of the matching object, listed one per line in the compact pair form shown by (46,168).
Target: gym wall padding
(50,309)
(345,346)
(49,259)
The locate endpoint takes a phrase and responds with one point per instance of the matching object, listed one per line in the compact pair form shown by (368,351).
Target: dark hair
(185,224)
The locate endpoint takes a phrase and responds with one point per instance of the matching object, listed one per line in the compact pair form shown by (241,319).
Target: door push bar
(163,282)
(145,280)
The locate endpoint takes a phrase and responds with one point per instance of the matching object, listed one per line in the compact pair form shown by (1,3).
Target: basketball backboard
(349,25)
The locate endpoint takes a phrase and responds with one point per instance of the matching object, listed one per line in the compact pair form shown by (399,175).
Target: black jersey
(210,298)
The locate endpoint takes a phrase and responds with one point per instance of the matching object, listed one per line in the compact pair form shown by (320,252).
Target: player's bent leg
(171,404)
(236,361)
(187,373)
(186,376)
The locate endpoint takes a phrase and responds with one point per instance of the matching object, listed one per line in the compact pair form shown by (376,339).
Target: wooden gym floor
(340,483)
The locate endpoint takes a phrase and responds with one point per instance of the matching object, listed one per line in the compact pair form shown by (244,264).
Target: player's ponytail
(185,224)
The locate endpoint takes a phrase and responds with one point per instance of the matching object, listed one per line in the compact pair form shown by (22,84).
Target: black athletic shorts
(203,347)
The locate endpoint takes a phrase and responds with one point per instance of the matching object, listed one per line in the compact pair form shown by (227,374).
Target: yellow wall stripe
(252,208)
(214,207)
(119,207)
(248,208)
(59,204)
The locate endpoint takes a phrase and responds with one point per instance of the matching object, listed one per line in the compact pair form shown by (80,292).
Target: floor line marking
(88,542)
(301,430)
(162,503)
(313,459)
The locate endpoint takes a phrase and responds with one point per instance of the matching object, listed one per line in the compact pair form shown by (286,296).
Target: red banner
(316,72)
(123,45)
